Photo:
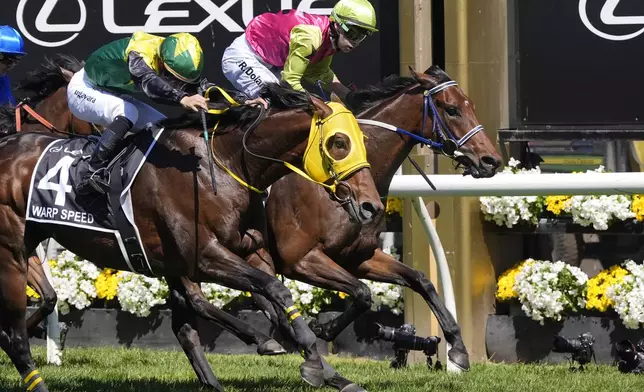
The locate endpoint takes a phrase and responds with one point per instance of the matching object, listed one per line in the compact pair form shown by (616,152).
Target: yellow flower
(342,295)
(505,285)
(556,204)
(394,205)
(31,293)
(638,207)
(107,284)
(596,298)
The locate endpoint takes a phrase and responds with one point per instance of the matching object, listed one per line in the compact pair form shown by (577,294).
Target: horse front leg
(220,265)
(246,333)
(384,268)
(320,270)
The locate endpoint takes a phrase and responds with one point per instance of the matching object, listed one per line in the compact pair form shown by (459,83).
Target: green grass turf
(115,370)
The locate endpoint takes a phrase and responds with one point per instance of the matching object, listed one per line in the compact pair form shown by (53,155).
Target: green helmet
(182,56)
(359,13)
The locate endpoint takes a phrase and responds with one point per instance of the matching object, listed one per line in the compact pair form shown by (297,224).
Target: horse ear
(320,107)
(420,78)
(67,74)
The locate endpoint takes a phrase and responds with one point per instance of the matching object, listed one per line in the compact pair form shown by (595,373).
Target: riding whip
(204,123)
(210,164)
(421,172)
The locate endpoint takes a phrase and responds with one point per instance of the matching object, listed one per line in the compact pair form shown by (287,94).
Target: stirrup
(98,181)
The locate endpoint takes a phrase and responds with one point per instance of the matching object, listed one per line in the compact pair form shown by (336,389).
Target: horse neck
(387,150)
(55,110)
(282,136)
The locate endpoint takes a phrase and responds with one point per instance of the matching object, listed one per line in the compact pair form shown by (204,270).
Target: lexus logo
(608,18)
(157,20)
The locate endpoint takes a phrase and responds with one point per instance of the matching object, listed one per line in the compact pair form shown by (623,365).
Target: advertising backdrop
(579,62)
(78,27)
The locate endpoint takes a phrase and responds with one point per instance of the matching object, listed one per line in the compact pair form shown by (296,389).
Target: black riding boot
(96,179)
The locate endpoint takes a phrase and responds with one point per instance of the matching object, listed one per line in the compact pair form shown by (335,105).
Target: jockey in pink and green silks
(292,46)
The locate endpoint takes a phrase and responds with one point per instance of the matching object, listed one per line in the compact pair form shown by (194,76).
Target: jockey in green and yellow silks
(292,46)
(159,67)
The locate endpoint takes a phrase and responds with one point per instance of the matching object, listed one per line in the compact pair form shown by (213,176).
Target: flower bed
(80,285)
(598,212)
(551,290)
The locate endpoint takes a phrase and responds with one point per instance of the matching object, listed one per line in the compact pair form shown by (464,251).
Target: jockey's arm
(305,40)
(322,72)
(153,85)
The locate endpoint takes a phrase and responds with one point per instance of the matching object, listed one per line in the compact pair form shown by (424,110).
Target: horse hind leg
(184,326)
(14,339)
(37,280)
(383,268)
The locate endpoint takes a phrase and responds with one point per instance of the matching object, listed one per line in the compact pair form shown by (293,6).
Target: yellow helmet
(359,13)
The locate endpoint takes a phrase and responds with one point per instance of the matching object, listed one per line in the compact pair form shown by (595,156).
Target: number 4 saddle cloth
(53,200)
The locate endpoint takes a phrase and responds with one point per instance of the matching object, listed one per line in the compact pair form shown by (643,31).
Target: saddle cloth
(53,199)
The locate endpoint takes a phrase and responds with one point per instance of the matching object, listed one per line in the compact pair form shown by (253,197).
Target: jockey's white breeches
(89,103)
(246,70)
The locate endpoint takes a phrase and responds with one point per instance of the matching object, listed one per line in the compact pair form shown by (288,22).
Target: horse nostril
(368,209)
(490,161)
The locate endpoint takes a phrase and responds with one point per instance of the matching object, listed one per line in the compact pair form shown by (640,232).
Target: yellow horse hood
(318,163)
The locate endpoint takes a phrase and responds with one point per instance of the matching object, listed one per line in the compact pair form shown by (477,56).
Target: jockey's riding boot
(96,178)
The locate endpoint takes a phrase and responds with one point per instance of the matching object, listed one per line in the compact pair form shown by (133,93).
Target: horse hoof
(457,362)
(316,327)
(353,388)
(313,376)
(270,347)
(213,386)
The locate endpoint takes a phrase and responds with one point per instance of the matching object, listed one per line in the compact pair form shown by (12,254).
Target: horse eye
(340,144)
(452,111)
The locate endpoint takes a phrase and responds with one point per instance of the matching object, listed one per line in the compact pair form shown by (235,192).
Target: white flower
(138,294)
(219,295)
(542,293)
(628,296)
(74,281)
(599,211)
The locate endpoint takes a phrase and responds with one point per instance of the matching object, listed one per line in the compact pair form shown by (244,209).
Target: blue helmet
(11,41)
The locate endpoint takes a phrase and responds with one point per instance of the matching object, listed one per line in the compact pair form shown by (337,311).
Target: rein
(448,144)
(262,115)
(24,105)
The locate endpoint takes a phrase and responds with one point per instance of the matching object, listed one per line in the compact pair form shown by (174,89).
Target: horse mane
(281,96)
(7,121)
(392,85)
(43,82)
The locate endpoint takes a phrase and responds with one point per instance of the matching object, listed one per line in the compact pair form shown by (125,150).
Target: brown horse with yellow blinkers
(187,231)
(334,253)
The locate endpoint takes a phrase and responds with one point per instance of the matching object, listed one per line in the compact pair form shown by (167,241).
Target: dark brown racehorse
(188,231)
(335,253)
(46,88)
